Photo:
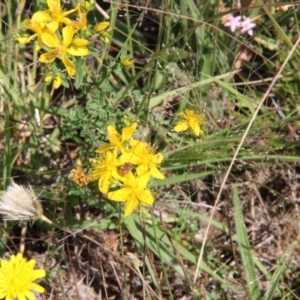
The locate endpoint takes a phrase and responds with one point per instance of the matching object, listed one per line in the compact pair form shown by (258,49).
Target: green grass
(224,224)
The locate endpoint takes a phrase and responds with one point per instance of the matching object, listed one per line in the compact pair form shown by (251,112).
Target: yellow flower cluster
(190,120)
(61,36)
(17,278)
(124,167)
(78,174)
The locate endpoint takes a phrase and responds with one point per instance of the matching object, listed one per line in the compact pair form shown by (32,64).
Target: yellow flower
(81,20)
(143,155)
(86,5)
(190,120)
(17,278)
(54,16)
(104,34)
(76,47)
(132,192)
(55,79)
(105,169)
(37,28)
(101,26)
(117,140)
(126,63)
(105,37)
(78,175)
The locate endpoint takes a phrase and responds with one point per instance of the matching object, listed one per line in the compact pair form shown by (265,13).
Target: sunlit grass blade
(163,248)
(154,101)
(281,267)
(245,249)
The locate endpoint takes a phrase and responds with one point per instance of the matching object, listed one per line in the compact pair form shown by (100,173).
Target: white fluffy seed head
(19,203)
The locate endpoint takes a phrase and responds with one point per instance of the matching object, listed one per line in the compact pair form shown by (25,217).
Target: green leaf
(64,82)
(180,178)
(80,73)
(174,54)
(245,248)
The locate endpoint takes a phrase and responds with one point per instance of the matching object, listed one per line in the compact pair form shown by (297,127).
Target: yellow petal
(78,51)
(127,132)
(104,148)
(105,182)
(158,158)
(156,173)
(41,17)
(80,42)
(40,273)
(53,26)
(120,195)
(49,56)
(68,64)
(196,130)
(130,206)
(37,288)
(142,181)
(26,39)
(137,145)
(126,63)
(96,174)
(54,5)
(48,78)
(111,130)
(80,22)
(101,26)
(33,26)
(64,20)
(181,126)
(50,39)
(68,33)
(27,23)
(26,295)
(56,81)
(142,170)
(146,197)
(39,44)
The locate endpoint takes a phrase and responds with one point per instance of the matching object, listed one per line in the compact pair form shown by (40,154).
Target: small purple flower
(233,22)
(247,26)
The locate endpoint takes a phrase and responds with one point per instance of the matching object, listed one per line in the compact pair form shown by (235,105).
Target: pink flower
(247,26)
(233,22)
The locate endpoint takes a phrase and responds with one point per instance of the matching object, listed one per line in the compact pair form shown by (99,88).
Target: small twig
(23,237)
(102,11)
